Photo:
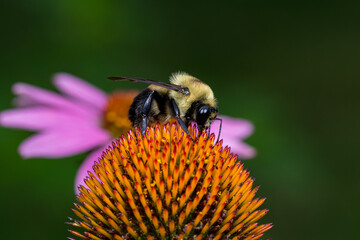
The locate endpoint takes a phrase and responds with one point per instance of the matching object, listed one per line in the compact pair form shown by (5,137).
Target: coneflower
(164,186)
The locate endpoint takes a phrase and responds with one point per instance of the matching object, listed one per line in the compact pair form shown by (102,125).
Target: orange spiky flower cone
(164,186)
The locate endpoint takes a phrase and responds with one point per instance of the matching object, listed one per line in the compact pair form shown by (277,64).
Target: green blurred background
(291,67)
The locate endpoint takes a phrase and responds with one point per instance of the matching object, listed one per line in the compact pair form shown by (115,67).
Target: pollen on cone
(165,186)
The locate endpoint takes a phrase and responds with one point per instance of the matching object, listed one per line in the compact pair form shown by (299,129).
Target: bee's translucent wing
(178,88)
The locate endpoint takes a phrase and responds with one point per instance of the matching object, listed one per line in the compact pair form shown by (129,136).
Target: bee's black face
(205,115)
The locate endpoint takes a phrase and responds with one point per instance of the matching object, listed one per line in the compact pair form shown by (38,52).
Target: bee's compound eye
(203,114)
(204,110)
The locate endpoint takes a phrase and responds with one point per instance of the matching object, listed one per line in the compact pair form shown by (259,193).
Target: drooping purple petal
(79,89)
(63,142)
(86,166)
(48,98)
(239,128)
(40,118)
(23,101)
(233,132)
(243,150)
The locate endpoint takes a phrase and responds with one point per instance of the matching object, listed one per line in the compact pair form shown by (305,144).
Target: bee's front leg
(145,112)
(176,110)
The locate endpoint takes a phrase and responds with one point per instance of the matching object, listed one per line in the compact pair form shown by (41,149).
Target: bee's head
(205,115)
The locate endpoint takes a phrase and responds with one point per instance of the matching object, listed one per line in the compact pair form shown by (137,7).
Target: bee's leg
(176,110)
(145,112)
(219,128)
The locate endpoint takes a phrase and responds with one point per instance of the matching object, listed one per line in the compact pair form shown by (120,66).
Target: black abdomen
(158,111)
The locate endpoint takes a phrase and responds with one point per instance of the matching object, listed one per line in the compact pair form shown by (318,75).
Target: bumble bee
(185,98)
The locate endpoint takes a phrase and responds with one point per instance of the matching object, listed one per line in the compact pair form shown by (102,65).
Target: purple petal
(63,142)
(48,98)
(243,150)
(23,101)
(233,127)
(40,118)
(86,166)
(79,89)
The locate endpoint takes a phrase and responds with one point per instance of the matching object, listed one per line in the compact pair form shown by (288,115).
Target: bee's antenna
(219,128)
